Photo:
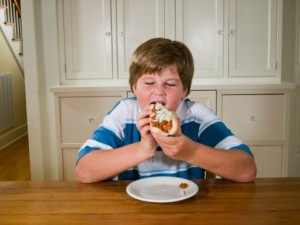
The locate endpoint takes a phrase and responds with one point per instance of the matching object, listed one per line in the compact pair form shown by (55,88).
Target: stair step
(9,23)
(17,39)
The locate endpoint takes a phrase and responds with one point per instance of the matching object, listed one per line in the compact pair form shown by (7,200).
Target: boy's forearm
(235,165)
(101,165)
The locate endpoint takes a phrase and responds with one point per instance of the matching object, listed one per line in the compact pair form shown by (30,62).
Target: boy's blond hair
(156,54)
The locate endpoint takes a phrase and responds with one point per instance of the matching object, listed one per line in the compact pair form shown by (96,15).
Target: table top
(265,201)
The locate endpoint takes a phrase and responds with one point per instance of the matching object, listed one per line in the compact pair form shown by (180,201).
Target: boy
(123,147)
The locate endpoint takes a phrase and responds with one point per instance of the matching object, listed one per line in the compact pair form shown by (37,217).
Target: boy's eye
(171,84)
(149,83)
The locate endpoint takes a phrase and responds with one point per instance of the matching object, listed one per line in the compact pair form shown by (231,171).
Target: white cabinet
(231,38)
(228,38)
(77,116)
(98,37)
(260,119)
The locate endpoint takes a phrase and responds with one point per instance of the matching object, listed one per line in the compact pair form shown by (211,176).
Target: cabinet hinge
(65,68)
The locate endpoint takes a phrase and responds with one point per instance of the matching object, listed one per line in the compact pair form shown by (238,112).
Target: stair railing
(13,18)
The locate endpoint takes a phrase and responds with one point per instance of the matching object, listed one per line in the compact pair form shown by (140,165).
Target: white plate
(161,189)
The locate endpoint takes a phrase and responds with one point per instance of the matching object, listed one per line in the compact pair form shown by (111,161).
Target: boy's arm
(232,164)
(101,165)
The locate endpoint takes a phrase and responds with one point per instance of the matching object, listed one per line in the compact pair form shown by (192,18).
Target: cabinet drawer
(80,116)
(254,117)
(269,160)
(209,98)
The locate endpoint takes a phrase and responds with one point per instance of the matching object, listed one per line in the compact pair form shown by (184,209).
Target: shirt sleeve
(212,131)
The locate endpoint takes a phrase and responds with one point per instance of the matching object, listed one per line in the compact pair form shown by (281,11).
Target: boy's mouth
(157,102)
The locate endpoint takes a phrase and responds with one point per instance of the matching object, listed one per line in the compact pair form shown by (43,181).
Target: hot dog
(162,120)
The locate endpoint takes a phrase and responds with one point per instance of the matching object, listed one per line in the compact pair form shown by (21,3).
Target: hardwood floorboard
(14,161)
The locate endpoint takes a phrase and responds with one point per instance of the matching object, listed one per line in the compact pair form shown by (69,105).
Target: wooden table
(266,201)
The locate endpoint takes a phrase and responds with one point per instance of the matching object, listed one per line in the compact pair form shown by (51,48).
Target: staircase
(11,27)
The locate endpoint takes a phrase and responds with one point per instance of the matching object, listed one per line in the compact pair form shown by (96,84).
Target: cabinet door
(200,25)
(269,160)
(137,21)
(252,38)
(87,39)
(69,164)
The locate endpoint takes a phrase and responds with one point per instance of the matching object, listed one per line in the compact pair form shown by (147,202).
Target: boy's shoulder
(124,105)
(195,108)
(128,102)
(188,103)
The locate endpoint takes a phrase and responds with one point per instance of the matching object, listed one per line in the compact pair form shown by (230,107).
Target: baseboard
(12,136)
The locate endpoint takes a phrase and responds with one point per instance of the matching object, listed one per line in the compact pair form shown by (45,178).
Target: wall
(41,68)
(8,64)
(291,73)
(295,151)
(41,64)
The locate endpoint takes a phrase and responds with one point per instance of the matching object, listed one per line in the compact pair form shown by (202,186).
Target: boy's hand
(147,143)
(178,147)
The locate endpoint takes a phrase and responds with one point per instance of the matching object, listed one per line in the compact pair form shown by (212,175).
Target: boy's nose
(159,90)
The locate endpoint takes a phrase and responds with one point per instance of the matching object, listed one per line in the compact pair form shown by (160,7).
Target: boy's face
(164,87)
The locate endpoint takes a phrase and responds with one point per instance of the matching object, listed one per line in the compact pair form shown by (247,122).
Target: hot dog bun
(162,120)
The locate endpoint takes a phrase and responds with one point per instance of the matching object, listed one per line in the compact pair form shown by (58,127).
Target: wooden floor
(14,161)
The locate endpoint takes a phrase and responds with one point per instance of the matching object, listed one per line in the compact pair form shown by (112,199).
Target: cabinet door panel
(200,25)
(269,160)
(80,116)
(252,37)
(88,42)
(137,21)
(255,117)
(69,164)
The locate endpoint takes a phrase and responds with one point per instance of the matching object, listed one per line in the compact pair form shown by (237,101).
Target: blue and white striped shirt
(198,122)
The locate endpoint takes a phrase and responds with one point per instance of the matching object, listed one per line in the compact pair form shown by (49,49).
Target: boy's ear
(133,88)
(184,94)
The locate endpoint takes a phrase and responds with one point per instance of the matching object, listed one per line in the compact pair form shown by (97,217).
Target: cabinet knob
(121,34)
(108,34)
(233,32)
(253,118)
(91,120)
(220,32)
